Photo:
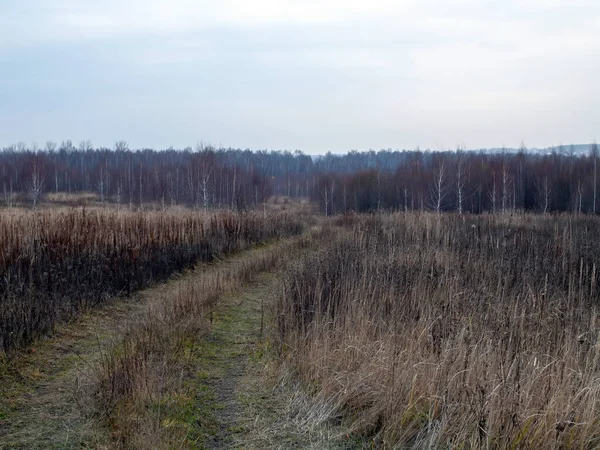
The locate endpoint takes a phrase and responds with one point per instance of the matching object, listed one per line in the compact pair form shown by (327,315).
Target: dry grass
(146,386)
(57,263)
(54,199)
(448,331)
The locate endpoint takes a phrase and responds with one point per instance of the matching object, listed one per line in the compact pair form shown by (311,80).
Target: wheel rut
(241,396)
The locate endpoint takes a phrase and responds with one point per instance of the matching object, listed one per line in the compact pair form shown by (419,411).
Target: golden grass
(452,331)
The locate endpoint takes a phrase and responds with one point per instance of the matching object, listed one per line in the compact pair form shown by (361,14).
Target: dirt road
(243,398)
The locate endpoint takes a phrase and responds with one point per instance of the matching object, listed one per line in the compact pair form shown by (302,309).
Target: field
(182,328)
(298,225)
(432,331)
(55,263)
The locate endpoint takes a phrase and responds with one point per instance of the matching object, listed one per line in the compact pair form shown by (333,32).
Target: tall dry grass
(138,388)
(56,263)
(446,331)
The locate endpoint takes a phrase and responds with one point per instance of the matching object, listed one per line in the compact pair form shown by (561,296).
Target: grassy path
(238,399)
(254,407)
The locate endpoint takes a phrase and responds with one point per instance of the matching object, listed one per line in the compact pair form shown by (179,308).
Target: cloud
(316,75)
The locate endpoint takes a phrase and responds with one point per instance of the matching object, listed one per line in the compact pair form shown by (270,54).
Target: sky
(311,75)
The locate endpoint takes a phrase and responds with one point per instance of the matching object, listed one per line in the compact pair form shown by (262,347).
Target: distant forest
(560,179)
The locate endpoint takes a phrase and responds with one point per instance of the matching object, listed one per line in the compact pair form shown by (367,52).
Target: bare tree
(492,193)
(121,146)
(205,193)
(130,183)
(440,187)
(578,199)
(36,183)
(84,146)
(161,188)
(344,196)
(460,179)
(544,194)
(200,146)
(103,183)
(233,188)
(326,198)
(506,183)
(7,192)
(378,189)
(327,190)
(171,188)
(119,195)
(141,192)
(50,146)
(191,186)
(594,156)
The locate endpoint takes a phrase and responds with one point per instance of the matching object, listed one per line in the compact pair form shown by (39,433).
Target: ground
(242,396)
(256,406)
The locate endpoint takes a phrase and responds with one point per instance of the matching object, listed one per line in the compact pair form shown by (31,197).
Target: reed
(446,331)
(54,264)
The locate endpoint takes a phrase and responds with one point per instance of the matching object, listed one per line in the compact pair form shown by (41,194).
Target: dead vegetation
(406,330)
(147,392)
(446,331)
(55,264)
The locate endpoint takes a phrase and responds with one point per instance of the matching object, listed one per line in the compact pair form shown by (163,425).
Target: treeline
(201,178)
(562,179)
(473,182)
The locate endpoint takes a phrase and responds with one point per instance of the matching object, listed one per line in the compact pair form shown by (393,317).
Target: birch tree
(492,194)
(544,194)
(506,183)
(440,186)
(36,183)
(460,180)
(594,156)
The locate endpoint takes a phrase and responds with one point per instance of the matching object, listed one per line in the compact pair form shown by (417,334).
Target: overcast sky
(310,75)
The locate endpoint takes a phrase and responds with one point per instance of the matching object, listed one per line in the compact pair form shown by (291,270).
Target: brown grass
(449,331)
(56,263)
(146,374)
(57,199)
